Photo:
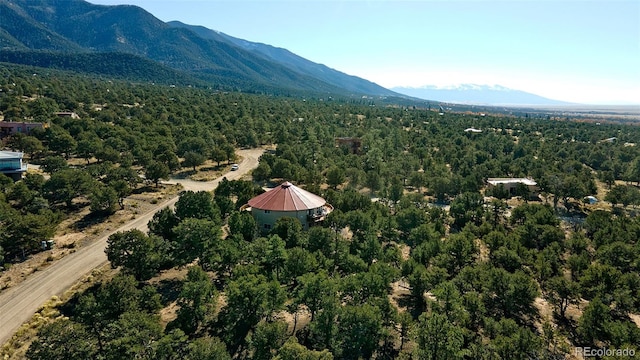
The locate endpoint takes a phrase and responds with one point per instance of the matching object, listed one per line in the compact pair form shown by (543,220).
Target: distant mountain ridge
(478,95)
(73,27)
(293,61)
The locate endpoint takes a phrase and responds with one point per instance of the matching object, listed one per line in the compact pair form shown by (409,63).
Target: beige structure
(287,200)
(69,114)
(510,184)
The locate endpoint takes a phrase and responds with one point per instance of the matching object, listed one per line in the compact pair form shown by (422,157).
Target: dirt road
(19,303)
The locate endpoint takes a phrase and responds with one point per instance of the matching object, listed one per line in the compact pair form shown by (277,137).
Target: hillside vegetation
(418,261)
(78,35)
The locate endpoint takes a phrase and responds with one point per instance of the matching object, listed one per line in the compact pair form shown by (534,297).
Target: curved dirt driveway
(19,303)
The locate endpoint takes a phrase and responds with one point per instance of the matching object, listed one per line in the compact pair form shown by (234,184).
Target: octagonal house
(287,200)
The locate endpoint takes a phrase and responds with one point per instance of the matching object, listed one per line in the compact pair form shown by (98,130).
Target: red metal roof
(286,197)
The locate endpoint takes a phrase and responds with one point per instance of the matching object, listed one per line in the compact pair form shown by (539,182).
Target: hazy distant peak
(476,94)
(476,87)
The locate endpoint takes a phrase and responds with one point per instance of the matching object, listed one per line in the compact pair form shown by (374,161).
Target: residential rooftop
(287,197)
(525,181)
(10,155)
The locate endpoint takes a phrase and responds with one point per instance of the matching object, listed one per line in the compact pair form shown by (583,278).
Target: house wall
(9,128)
(269,217)
(511,187)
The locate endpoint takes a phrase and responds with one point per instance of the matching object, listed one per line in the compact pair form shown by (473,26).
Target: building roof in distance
(286,197)
(10,155)
(525,181)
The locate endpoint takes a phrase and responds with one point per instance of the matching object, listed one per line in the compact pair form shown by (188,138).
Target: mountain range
(125,41)
(492,95)
(77,35)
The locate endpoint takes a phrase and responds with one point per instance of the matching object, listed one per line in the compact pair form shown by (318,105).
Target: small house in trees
(511,184)
(69,114)
(287,200)
(11,164)
(15,127)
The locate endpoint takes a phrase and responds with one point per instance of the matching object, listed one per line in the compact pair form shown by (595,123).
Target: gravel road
(19,303)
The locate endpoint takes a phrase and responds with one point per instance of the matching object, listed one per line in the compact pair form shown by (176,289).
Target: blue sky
(579,51)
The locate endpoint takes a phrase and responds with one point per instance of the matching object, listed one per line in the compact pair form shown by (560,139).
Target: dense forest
(417,261)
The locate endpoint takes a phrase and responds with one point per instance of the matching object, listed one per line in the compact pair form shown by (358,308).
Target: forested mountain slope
(76,26)
(294,62)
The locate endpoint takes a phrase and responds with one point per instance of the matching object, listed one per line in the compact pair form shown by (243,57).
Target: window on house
(267,226)
(267,211)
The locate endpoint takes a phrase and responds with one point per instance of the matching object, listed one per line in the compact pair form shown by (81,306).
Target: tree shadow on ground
(185,174)
(68,308)
(568,327)
(211,168)
(146,189)
(169,290)
(89,220)
(413,307)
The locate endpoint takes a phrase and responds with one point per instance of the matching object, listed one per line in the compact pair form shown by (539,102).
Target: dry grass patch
(300,319)
(168,313)
(405,251)
(484,250)
(400,291)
